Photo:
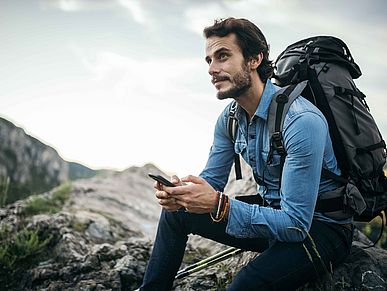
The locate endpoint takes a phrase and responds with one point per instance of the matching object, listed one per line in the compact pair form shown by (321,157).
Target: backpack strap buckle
(278,143)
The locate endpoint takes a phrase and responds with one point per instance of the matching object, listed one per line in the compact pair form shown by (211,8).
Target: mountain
(79,171)
(29,166)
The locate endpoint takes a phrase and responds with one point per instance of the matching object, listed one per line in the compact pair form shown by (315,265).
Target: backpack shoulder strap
(232,127)
(232,123)
(279,106)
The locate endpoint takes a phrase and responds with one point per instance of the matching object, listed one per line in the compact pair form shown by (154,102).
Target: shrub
(51,205)
(20,246)
(61,194)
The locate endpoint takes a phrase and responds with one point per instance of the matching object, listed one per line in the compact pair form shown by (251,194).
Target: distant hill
(79,171)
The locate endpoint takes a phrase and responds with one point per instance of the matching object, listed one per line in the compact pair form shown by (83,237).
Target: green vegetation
(51,205)
(18,247)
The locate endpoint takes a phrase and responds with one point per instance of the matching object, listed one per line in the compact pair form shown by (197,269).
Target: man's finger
(193,179)
(178,190)
(162,195)
(166,201)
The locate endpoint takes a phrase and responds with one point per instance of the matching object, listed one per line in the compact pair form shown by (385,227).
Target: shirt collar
(263,106)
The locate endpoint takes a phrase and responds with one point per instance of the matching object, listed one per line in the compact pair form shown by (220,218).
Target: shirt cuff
(239,217)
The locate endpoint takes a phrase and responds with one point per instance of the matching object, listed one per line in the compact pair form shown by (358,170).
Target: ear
(256,61)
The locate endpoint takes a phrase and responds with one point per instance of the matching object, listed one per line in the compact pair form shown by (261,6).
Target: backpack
(322,69)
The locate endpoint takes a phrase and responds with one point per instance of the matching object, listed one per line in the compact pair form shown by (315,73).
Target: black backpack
(322,69)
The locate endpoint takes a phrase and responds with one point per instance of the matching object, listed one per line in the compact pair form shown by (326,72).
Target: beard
(241,82)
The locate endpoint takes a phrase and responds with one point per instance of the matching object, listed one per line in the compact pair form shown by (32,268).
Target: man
(296,244)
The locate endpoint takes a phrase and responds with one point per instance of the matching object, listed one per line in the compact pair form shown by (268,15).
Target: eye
(223,56)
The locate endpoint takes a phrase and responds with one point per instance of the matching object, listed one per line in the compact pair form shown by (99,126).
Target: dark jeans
(280,266)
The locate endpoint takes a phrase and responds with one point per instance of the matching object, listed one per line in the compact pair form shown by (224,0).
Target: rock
(99,231)
(74,259)
(364,269)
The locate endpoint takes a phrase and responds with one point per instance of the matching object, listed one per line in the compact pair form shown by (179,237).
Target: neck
(249,101)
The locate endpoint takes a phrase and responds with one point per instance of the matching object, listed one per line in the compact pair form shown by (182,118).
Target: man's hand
(165,200)
(197,197)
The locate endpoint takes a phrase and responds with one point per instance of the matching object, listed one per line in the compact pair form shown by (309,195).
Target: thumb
(193,179)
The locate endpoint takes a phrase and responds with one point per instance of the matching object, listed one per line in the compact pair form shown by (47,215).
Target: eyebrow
(217,52)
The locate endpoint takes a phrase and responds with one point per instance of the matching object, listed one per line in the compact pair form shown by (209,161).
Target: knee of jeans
(174,219)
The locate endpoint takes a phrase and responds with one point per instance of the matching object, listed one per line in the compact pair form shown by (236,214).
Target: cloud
(76,5)
(149,77)
(197,17)
(135,9)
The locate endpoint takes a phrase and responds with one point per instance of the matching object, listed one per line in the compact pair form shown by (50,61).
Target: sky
(120,83)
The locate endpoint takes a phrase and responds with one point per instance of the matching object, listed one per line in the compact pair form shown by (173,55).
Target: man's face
(227,66)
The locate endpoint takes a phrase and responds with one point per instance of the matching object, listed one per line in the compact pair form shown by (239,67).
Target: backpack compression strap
(232,126)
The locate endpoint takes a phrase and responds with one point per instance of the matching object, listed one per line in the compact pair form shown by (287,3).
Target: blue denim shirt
(309,148)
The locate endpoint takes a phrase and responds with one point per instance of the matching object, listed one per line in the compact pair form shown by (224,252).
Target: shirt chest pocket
(273,168)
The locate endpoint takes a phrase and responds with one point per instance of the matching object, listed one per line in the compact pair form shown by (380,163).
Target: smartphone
(162,180)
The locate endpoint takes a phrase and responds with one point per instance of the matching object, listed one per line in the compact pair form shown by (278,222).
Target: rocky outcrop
(100,240)
(127,197)
(78,257)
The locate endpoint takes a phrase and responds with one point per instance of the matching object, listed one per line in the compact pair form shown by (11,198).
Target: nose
(213,68)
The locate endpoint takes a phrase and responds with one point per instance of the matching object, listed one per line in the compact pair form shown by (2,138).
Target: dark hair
(249,38)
